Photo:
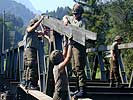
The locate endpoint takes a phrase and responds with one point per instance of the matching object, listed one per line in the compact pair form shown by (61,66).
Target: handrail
(107,48)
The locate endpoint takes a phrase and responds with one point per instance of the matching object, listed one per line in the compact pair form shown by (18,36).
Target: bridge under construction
(12,68)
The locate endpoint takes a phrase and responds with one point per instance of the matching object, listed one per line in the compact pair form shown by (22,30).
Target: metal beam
(79,34)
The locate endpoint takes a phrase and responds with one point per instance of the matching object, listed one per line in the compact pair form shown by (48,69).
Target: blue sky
(50,5)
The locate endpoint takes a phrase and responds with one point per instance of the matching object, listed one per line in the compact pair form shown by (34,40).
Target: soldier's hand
(65,21)
(114,60)
(71,41)
(42,17)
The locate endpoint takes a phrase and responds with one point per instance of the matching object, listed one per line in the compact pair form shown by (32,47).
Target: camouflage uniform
(114,70)
(61,84)
(79,52)
(30,58)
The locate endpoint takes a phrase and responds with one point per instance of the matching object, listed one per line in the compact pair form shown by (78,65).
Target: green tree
(97,20)
(121,23)
(13,30)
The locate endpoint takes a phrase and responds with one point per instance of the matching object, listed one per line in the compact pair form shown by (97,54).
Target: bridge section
(12,66)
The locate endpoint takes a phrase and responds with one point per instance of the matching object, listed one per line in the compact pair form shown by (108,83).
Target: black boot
(81,93)
(74,93)
(33,85)
(112,83)
(26,84)
(23,82)
(117,84)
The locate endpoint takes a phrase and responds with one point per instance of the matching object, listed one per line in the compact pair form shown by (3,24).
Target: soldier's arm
(45,32)
(67,58)
(66,20)
(31,28)
(113,55)
(65,45)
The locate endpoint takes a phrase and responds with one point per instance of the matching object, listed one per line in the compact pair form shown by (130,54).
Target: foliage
(13,30)
(16,9)
(109,19)
(59,13)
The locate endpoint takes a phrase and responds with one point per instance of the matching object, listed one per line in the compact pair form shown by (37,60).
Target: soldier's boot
(23,82)
(112,83)
(26,84)
(33,85)
(74,93)
(117,84)
(81,93)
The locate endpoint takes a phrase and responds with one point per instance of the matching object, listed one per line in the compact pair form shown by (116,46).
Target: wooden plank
(15,63)
(84,99)
(41,65)
(21,64)
(131,81)
(79,34)
(49,76)
(2,64)
(37,94)
(107,48)
(101,63)
(122,70)
(80,98)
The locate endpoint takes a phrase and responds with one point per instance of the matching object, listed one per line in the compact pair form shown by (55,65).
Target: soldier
(60,60)
(114,71)
(79,51)
(30,53)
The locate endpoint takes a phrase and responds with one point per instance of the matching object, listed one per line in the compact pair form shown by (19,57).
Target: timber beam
(79,34)
(36,94)
(107,48)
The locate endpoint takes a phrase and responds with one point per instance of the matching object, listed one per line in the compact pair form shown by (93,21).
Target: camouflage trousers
(79,62)
(61,95)
(114,70)
(30,65)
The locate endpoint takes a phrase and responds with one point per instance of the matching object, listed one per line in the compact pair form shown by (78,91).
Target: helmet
(77,8)
(56,57)
(118,38)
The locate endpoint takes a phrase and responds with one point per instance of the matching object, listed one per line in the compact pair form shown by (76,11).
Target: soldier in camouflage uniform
(30,53)
(114,71)
(79,51)
(60,61)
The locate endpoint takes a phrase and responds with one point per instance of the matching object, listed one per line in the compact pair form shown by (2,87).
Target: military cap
(77,8)
(56,57)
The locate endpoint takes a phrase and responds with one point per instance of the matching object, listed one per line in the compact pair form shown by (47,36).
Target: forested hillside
(28,5)
(17,9)
(13,30)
